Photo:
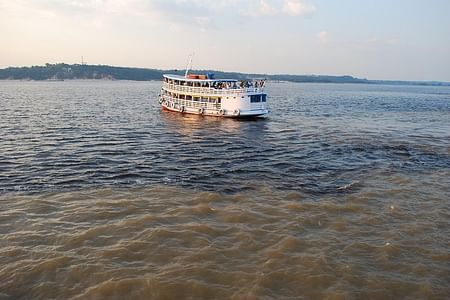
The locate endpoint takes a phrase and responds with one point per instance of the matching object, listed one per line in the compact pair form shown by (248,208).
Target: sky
(374,39)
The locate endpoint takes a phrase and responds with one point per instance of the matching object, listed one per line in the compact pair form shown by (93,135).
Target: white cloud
(266,9)
(298,7)
(173,11)
(323,37)
(204,23)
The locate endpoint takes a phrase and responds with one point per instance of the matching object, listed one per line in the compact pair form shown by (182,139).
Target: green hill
(77,71)
(62,71)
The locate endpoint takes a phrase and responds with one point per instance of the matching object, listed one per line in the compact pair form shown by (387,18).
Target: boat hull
(216,112)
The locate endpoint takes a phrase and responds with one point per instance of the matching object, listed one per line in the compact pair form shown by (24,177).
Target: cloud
(194,13)
(323,37)
(203,15)
(189,10)
(204,23)
(210,15)
(180,8)
(298,7)
(78,8)
(266,9)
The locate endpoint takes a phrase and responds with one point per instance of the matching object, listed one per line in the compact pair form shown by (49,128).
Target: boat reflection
(190,125)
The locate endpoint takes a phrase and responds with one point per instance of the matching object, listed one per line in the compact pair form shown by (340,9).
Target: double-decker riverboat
(205,95)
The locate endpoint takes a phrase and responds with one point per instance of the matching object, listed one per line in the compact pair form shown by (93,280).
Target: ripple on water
(344,196)
(164,242)
(328,145)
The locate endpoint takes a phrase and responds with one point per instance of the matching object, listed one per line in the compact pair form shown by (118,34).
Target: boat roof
(182,78)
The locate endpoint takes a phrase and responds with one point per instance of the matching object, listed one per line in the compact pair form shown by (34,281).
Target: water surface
(342,193)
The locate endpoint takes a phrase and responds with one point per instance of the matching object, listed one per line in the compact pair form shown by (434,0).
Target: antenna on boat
(189,65)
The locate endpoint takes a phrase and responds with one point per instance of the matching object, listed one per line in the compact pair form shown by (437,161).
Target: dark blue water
(318,138)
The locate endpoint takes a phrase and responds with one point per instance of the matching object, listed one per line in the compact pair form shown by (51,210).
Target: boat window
(255,98)
(188,97)
(263,98)
(196,98)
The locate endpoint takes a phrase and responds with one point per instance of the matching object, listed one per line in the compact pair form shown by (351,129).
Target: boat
(202,94)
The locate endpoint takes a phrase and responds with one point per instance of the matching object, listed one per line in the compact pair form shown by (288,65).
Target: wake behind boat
(204,95)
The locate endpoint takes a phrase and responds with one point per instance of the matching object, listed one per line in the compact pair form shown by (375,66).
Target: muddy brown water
(103,196)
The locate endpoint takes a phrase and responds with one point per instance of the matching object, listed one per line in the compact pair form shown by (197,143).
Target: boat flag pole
(189,65)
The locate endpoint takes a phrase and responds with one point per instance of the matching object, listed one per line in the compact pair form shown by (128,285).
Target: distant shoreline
(61,71)
(441,84)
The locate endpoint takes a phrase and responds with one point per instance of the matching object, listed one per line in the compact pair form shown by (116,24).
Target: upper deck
(206,85)
(196,78)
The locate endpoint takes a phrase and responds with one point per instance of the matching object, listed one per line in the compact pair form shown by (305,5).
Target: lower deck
(212,108)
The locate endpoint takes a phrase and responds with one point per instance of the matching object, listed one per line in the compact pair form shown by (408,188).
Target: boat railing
(210,90)
(192,103)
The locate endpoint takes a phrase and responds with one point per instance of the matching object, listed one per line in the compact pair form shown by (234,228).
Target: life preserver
(221,111)
(181,108)
(236,112)
(201,110)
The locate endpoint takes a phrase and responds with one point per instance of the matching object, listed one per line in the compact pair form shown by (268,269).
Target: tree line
(62,71)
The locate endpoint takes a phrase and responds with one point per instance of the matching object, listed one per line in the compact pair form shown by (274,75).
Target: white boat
(205,95)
